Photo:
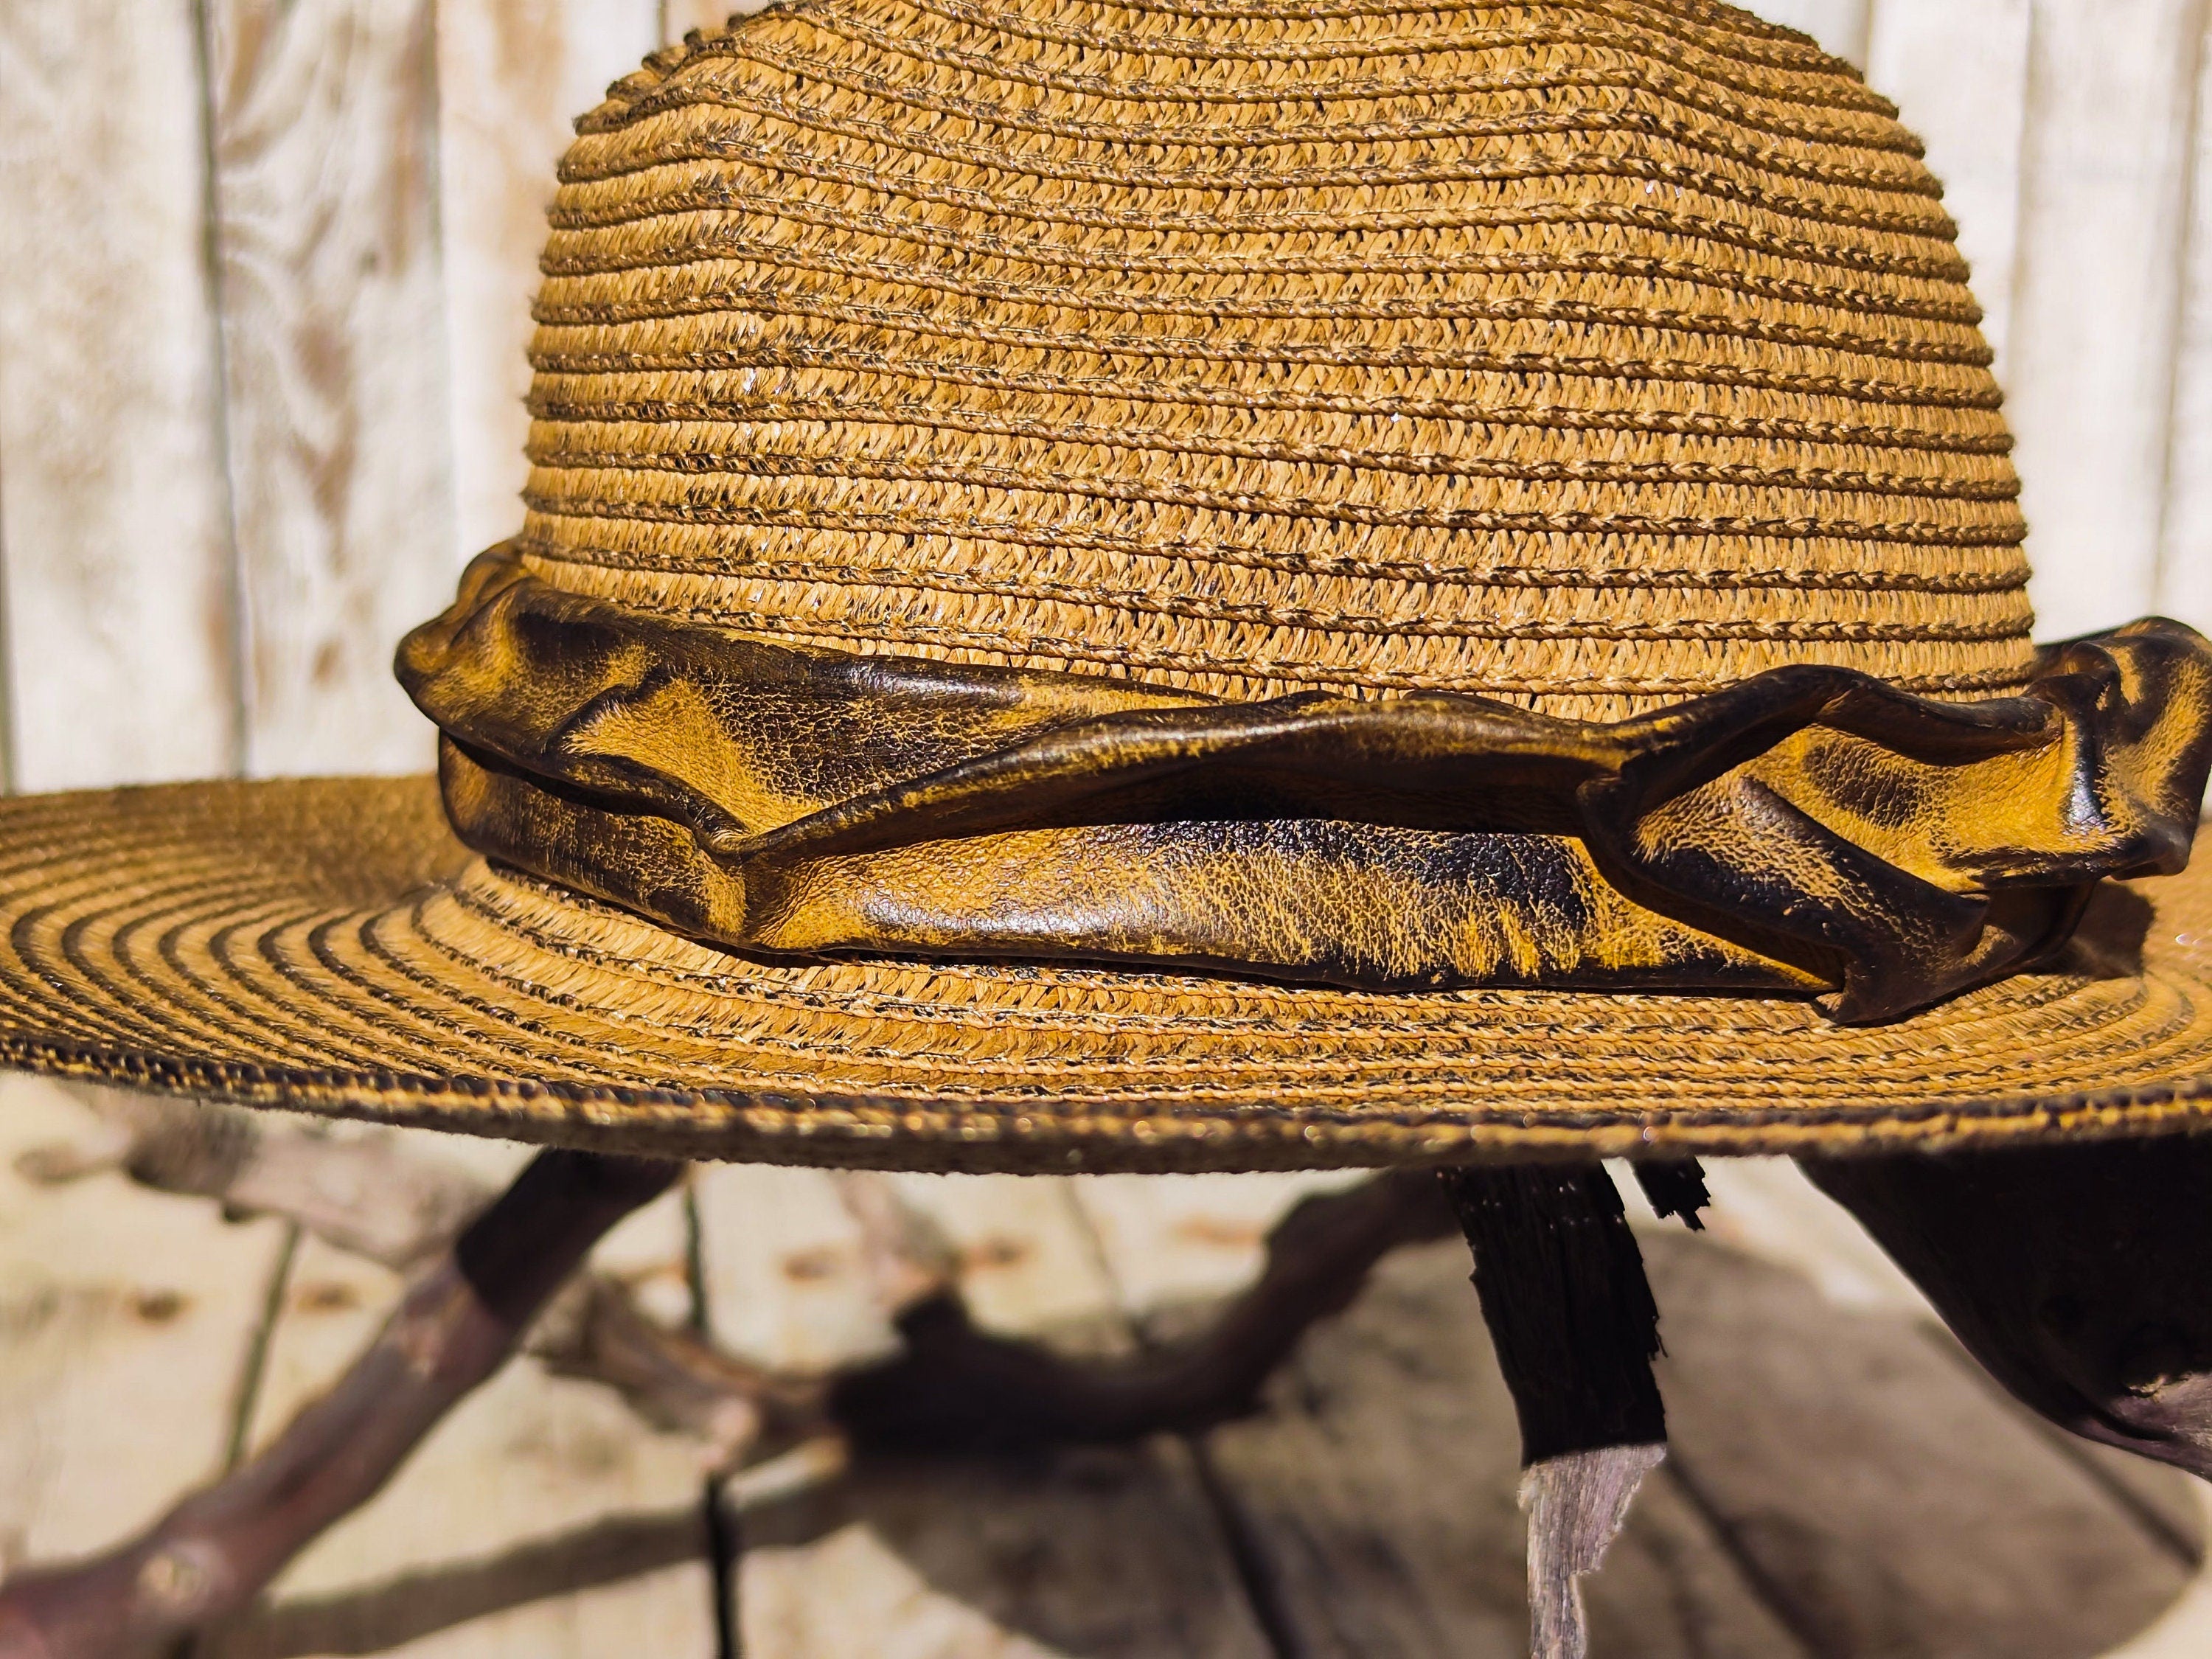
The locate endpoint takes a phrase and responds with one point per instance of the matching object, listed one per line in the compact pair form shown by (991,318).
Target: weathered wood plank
(1379,1489)
(512,76)
(325,139)
(785,1270)
(2166,1507)
(120,647)
(1177,1240)
(2090,351)
(1766,1207)
(2185,565)
(2184,1630)
(1882,1495)
(541,1519)
(1028,1266)
(1840,25)
(1958,71)
(126,1320)
(1104,1555)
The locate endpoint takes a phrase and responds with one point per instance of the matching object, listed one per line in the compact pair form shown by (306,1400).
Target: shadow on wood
(2080,1275)
(1841,1484)
(417,1604)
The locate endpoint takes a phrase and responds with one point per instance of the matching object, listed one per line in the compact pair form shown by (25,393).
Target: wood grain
(2185,562)
(1180,1241)
(382,167)
(1880,1495)
(1766,1207)
(1958,72)
(120,639)
(1379,1490)
(325,138)
(1028,1265)
(126,1325)
(784,1270)
(2184,1630)
(1110,1554)
(1103,1554)
(540,1518)
(512,76)
(1840,25)
(2090,345)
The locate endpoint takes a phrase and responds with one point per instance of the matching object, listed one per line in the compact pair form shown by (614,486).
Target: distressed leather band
(1809,830)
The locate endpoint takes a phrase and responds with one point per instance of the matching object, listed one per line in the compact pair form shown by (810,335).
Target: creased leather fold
(1809,830)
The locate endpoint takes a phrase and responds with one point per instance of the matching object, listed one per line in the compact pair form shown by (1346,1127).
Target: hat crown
(1595,353)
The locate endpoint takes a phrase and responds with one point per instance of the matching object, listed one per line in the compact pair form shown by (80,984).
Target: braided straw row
(1596,352)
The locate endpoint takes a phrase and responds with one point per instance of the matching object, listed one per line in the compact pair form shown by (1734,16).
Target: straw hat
(1205,586)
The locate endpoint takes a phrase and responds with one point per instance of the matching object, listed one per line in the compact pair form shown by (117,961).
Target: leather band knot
(1809,830)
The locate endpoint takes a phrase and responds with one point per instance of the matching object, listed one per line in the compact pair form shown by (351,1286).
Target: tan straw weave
(1591,353)
(1595,354)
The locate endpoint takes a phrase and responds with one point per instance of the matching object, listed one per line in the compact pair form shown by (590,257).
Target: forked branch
(208,1557)
(954,1386)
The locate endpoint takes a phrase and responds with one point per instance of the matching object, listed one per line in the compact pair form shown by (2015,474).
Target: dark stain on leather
(1809,830)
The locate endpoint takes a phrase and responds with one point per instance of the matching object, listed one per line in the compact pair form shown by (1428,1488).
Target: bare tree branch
(210,1555)
(500,1277)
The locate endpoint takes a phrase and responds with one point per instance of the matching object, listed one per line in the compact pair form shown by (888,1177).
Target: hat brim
(327,946)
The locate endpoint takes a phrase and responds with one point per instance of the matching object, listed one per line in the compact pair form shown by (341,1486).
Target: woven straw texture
(1592,352)
(260,942)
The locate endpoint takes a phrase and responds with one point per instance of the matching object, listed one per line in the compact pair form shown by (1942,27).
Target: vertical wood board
(1884,1496)
(2184,563)
(1379,1491)
(785,1272)
(325,128)
(1766,1207)
(1178,1240)
(1840,25)
(114,522)
(1957,71)
(539,1520)
(1028,1265)
(2184,1630)
(1108,1554)
(2090,341)
(126,1318)
(513,75)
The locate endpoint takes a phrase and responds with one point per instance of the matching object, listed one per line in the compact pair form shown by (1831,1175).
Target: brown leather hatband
(1809,830)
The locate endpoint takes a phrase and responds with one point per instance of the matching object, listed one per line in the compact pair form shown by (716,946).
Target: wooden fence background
(263,307)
